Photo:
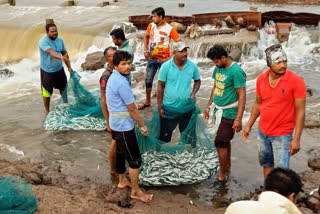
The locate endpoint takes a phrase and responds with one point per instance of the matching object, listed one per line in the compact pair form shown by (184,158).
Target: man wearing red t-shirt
(280,103)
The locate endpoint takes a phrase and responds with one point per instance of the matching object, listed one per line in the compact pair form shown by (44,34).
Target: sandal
(143,105)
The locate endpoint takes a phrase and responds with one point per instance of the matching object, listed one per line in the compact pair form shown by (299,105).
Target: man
(119,39)
(156,48)
(52,53)
(282,187)
(280,102)
(108,54)
(174,91)
(123,112)
(226,103)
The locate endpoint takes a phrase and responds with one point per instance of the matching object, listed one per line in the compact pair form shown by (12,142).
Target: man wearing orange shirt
(156,48)
(280,103)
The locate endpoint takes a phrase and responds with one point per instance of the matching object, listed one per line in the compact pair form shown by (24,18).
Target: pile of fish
(59,119)
(186,167)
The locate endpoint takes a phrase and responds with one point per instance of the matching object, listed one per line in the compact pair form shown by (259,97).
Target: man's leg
(112,156)
(265,150)
(46,88)
(46,102)
(151,71)
(60,82)
(281,153)
(222,142)
(166,128)
(133,156)
(184,121)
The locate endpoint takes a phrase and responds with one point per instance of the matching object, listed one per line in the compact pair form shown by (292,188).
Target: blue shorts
(274,151)
(152,68)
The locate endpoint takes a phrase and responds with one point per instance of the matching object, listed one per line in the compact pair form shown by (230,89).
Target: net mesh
(188,158)
(16,196)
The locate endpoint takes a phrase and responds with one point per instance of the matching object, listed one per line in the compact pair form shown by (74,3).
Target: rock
(313,204)
(241,21)
(180,28)
(309,92)
(216,22)
(253,8)
(251,27)
(94,61)
(305,210)
(127,27)
(6,73)
(316,50)
(314,163)
(138,76)
(229,21)
(194,31)
(235,54)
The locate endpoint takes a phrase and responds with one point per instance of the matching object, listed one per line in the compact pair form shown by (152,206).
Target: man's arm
(255,112)
(104,108)
(206,111)
(237,124)
(195,89)
(300,104)
(160,94)
(146,45)
(133,111)
(66,60)
(64,57)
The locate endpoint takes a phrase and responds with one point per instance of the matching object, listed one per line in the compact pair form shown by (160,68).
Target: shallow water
(85,29)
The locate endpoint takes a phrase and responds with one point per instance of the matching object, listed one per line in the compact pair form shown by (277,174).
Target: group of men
(280,98)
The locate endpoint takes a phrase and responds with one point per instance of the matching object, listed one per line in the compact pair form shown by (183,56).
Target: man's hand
(206,114)
(144,131)
(161,113)
(193,97)
(237,125)
(109,129)
(294,147)
(146,55)
(70,70)
(246,133)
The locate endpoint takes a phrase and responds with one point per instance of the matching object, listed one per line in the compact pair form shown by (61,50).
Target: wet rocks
(217,22)
(94,61)
(6,73)
(235,54)
(229,21)
(194,31)
(316,50)
(241,21)
(127,27)
(314,163)
(180,28)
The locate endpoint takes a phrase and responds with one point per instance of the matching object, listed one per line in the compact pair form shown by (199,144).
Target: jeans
(274,151)
(152,69)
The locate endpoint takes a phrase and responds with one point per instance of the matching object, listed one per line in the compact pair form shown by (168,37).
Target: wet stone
(6,73)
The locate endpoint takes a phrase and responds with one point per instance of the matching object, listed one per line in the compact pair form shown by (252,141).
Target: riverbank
(58,190)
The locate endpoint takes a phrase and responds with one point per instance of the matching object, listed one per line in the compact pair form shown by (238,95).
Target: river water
(85,29)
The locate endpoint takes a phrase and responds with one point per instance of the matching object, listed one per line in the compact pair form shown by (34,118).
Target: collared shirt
(226,82)
(160,37)
(119,95)
(128,48)
(47,62)
(177,90)
(104,78)
(277,110)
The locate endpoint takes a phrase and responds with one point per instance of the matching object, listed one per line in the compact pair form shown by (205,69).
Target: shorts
(167,126)
(49,81)
(274,151)
(127,150)
(225,133)
(152,68)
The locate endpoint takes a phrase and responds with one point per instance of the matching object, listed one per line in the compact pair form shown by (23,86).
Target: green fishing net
(77,109)
(16,196)
(188,159)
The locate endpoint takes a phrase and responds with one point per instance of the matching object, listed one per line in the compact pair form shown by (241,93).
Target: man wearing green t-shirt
(226,104)
(119,39)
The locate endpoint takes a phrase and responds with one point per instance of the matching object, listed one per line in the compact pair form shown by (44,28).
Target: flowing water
(85,29)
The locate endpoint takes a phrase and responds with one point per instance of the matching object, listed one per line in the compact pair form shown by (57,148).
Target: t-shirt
(104,78)
(47,62)
(119,95)
(277,110)
(225,93)
(160,40)
(177,90)
(128,48)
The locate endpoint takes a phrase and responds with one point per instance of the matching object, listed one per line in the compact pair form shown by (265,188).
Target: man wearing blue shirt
(122,114)
(52,53)
(174,91)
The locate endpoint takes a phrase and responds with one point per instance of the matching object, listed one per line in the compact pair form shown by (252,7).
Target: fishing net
(188,159)
(77,109)
(16,196)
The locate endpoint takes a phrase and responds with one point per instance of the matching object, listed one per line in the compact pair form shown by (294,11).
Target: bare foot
(123,184)
(142,196)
